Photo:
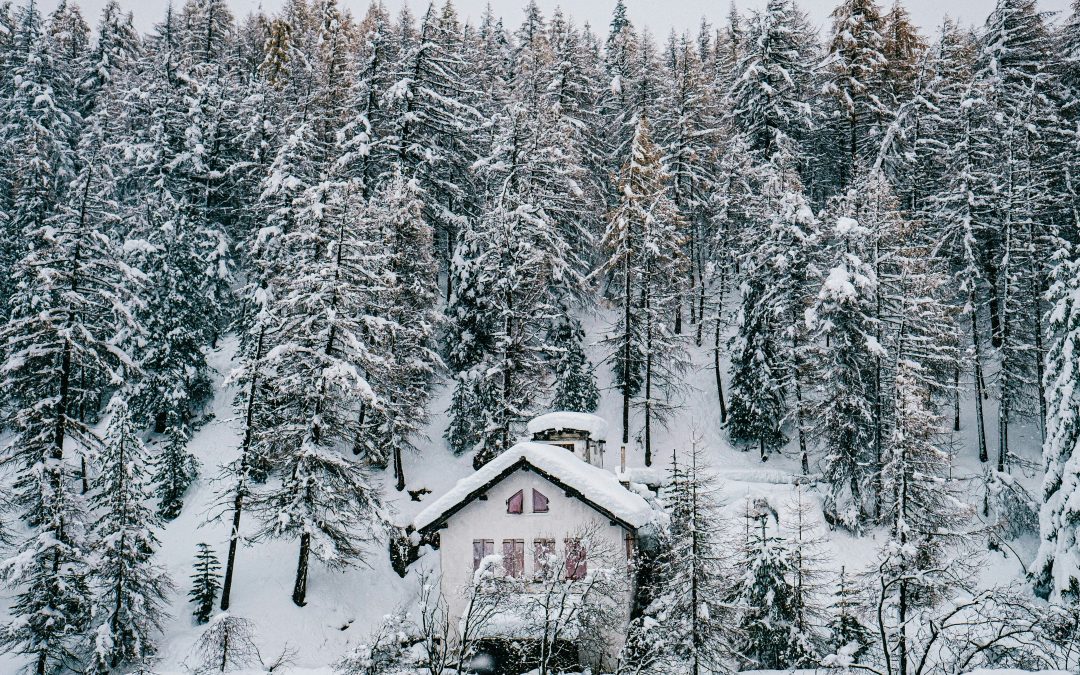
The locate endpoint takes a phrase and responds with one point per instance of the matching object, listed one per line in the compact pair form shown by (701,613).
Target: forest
(864,237)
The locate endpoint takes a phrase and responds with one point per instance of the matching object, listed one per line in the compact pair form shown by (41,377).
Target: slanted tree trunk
(241,485)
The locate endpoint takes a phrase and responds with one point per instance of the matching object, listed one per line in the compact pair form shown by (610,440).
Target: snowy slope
(343,607)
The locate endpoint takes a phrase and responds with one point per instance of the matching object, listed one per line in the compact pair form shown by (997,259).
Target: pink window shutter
(516,502)
(539,502)
(514,557)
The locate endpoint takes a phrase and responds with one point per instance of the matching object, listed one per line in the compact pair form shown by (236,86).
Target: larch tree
(645,258)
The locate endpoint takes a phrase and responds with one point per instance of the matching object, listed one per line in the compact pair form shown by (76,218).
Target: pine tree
(810,578)
(432,122)
(845,329)
(765,597)
(404,300)
(1056,570)
(691,572)
(922,559)
(129,589)
(317,353)
(204,583)
(645,260)
(766,359)
(575,380)
(854,86)
(174,471)
(772,78)
(848,635)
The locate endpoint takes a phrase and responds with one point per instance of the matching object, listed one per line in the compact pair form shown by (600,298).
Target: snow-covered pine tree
(363,153)
(615,99)
(687,131)
(433,123)
(40,123)
(404,300)
(204,582)
(768,100)
(1056,570)
(923,557)
(129,589)
(575,379)
(854,87)
(810,562)
(317,354)
(644,246)
(67,313)
(845,328)
(692,573)
(733,206)
(767,347)
(765,599)
(522,256)
(175,469)
(849,637)
(115,51)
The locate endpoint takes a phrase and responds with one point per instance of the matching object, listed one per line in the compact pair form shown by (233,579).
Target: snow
(344,607)
(599,485)
(594,425)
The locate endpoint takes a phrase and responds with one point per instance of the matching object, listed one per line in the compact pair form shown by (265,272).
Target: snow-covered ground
(344,606)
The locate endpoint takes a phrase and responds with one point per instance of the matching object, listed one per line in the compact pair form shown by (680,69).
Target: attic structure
(583,434)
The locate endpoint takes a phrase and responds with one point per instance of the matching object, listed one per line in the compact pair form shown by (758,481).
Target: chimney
(622,459)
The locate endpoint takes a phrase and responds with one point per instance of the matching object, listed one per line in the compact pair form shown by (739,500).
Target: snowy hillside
(273,285)
(344,607)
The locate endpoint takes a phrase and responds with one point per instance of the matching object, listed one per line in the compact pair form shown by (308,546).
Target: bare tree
(227,644)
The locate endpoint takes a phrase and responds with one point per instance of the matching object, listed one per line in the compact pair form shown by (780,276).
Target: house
(536,503)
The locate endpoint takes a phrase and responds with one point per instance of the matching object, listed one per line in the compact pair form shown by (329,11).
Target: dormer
(583,434)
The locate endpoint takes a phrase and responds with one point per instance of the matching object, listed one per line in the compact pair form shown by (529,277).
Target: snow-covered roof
(595,426)
(593,485)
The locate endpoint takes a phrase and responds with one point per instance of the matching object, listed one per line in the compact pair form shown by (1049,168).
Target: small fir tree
(205,583)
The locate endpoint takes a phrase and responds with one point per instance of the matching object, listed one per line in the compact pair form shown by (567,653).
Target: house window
(481,548)
(514,557)
(516,502)
(575,559)
(543,557)
(540,502)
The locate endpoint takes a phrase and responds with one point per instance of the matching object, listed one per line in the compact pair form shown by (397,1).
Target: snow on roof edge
(596,426)
(600,486)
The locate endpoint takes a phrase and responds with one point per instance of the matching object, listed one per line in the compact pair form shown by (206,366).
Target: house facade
(542,517)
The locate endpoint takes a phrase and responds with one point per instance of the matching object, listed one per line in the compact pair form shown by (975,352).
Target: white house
(531,505)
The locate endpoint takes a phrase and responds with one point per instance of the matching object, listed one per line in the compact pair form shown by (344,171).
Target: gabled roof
(595,426)
(596,487)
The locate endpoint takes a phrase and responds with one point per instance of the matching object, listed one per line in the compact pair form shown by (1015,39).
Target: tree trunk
(716,369)
(399,469)
(980,384)
(648,389)
(956,398)
(299,594)
(626,357)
